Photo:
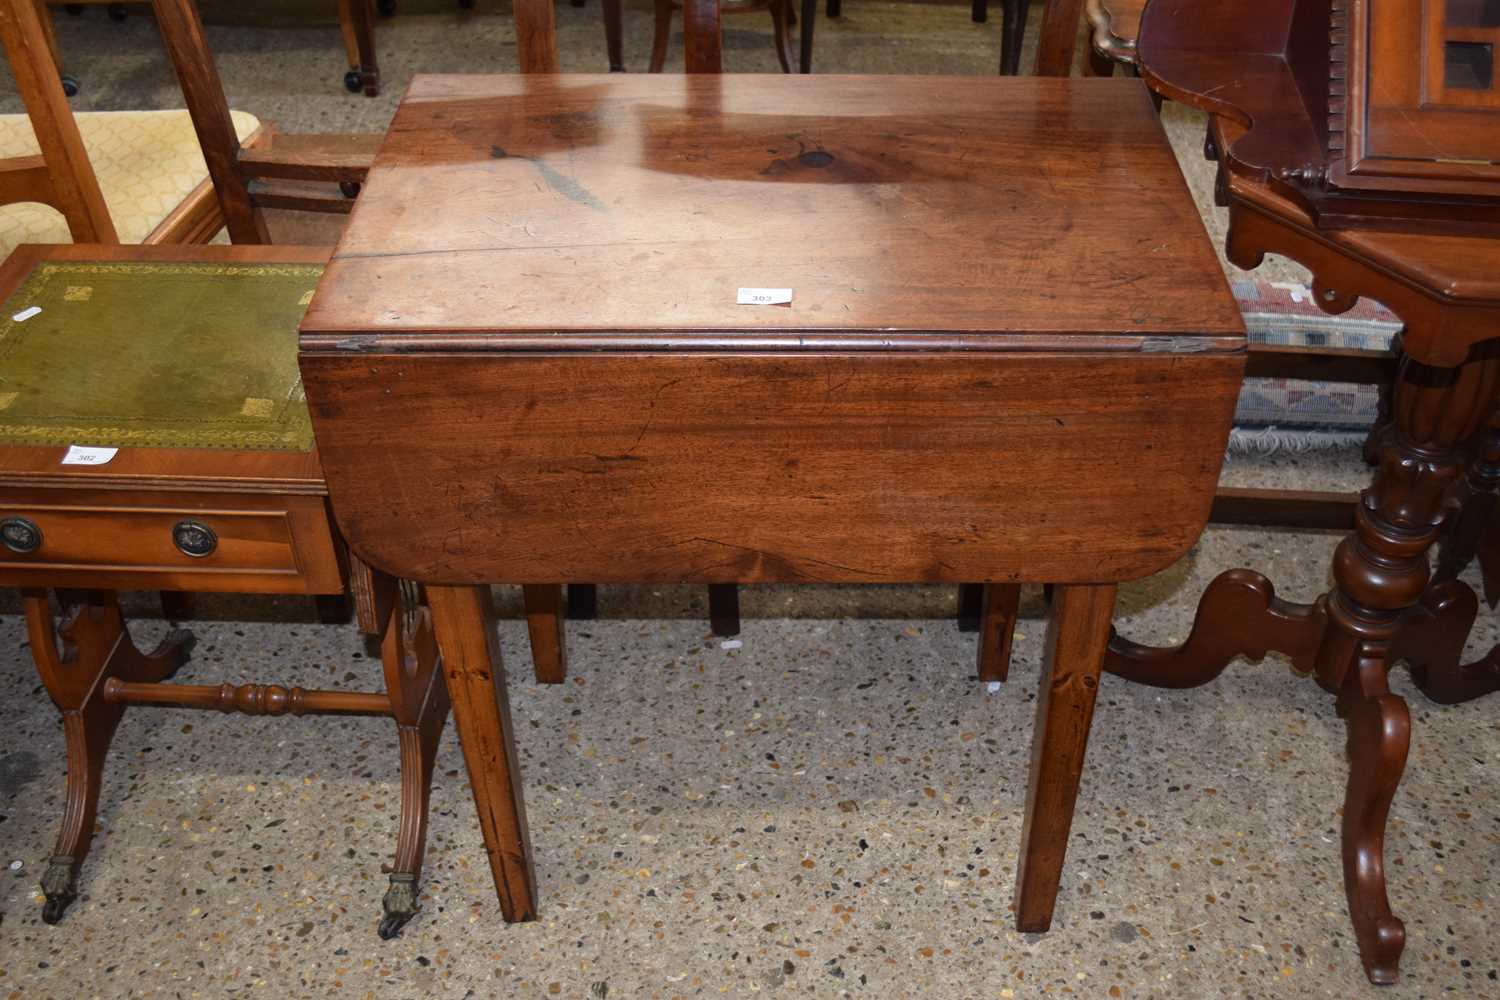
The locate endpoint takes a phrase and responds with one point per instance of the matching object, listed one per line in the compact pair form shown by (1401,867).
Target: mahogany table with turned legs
(527,361)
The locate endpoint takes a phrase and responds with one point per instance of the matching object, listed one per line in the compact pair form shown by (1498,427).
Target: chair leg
(357,25)
(94,646)
(544,624)
(662,36)
(835,8)
(1012,33)
(805,37)
(614,33)
(780,9)
(419,702)
(996,630)
(979,11)
(724,608)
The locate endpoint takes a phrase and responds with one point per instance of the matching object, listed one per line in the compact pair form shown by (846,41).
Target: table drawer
(228,543)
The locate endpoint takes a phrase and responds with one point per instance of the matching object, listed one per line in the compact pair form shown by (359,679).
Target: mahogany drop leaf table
(528,360)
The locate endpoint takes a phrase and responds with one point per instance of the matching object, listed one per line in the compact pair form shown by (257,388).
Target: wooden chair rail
(310,157)
(1303,509)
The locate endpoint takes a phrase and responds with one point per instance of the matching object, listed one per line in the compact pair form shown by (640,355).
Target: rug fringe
(1269,440)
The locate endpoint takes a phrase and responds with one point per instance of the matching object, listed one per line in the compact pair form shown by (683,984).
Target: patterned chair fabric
(147,162)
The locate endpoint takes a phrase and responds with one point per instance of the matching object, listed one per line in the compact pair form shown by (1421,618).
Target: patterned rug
(1274,414)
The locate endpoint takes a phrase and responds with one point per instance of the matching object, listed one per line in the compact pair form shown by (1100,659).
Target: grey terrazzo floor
(831,809)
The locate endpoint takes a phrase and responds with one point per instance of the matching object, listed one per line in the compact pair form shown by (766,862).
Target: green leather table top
(164,355)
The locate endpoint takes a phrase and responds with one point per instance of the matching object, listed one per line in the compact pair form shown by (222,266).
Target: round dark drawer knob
(194,538)
(20,534)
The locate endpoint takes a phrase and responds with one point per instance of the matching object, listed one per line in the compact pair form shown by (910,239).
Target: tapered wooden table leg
(464,619)
(1077,637)
(997,627)
(544,624)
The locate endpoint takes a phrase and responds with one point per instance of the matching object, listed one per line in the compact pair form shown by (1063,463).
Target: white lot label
(26,314)
(764,297)
(79,455)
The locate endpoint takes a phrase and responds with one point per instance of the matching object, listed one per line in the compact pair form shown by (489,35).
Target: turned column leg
(1077,637)
(997,627)
(419,703)
(1380,573)
(93,647)
(464,619)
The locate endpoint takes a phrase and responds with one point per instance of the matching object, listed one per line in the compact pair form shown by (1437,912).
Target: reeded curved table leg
(419,702)
(1379,733)
(94,646)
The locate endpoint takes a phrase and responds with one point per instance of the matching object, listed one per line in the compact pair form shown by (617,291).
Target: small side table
(539,353)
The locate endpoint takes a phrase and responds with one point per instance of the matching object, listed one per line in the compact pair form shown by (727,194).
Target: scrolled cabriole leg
(1381,573)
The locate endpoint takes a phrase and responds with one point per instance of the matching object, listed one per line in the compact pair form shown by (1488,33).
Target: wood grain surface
(861,468)
(552,205)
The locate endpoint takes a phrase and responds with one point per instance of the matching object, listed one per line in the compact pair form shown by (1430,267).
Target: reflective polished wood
(526,360)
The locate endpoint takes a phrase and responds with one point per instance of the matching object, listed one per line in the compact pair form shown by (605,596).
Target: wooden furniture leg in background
(614,29)
(544,624)
(464,619)
(1077,638)
(997,627)
(357,24)
(724,608)
(809,19)
(94,646)
(1012,33)
(1058,37)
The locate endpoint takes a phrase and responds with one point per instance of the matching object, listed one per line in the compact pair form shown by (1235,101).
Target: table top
(517,212)
(249,467)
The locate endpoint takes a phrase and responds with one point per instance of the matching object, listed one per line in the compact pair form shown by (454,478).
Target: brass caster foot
(60,888)
(400,904)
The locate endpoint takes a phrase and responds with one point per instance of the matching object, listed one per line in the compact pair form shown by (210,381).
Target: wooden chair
(152,185)
(356,25)
(782,16)
(1013,14)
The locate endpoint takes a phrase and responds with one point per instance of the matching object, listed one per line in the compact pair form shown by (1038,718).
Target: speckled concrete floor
(831,809)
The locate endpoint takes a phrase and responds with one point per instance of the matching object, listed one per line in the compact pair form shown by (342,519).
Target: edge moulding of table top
(526,362)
